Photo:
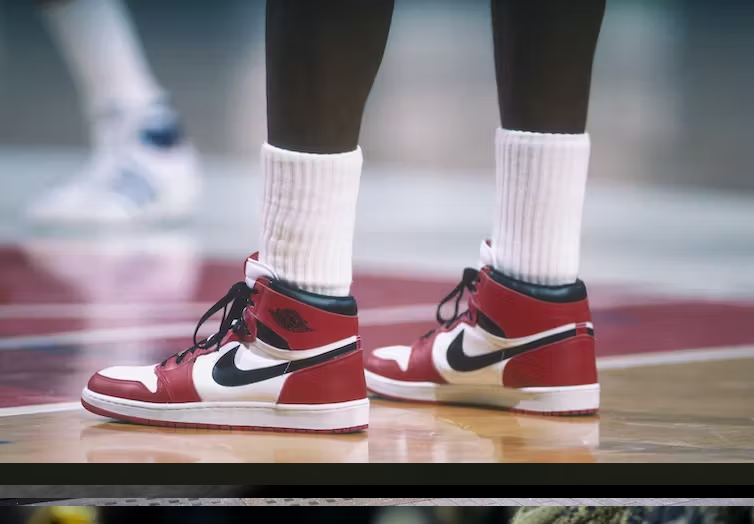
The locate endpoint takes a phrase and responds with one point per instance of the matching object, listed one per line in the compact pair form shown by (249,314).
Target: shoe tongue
(254,269)
(486,256)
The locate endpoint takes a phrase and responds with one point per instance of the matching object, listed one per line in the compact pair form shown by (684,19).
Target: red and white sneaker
(283,359)
(520,346)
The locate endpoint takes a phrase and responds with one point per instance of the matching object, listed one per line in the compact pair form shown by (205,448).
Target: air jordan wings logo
(290,320)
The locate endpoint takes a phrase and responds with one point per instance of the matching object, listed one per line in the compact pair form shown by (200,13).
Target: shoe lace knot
(240,295)
(468,282)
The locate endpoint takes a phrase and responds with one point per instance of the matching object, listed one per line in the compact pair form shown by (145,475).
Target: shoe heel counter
(569,362)
(519,309)
(295,319)
(340,380)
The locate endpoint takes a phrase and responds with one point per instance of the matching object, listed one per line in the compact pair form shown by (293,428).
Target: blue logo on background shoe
(166,136)
(135,187)
(162,128)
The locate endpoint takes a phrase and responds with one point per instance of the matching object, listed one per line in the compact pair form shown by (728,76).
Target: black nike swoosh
(227,374)
(460,361)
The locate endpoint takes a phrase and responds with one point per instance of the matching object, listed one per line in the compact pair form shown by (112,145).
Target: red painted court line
(619,330)
(49,326)
(11,397)
(633,330)
(38,377)
(24,281)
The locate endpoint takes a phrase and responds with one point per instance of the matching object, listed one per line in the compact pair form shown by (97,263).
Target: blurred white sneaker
(142,168)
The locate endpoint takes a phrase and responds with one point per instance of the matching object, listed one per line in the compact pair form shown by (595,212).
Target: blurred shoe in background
(142,168)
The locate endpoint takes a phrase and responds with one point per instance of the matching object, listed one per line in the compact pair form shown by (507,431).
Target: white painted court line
(367,317)
(102,336)
(687,356)
(386,316)
(127,311)
(102,311)
(380,316)
(620,362)
(40,408)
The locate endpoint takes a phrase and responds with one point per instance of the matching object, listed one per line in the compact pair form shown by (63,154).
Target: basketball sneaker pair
(286,359)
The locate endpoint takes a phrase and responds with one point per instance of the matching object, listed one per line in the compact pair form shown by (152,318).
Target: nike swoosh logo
(225,372)
(460,361)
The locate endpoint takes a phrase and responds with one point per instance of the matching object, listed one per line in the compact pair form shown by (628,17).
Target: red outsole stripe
(572,413)
(192,425)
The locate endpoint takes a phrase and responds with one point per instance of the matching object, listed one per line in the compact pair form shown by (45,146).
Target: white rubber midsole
(313,417)
(540,399)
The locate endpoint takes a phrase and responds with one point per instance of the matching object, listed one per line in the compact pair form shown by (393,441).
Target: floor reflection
(396,434)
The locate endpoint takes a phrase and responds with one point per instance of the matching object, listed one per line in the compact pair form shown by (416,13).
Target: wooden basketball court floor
(671,282)
(677,374)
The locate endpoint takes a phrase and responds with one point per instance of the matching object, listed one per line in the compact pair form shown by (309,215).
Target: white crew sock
(103,53)
(541,179)
(308,217)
